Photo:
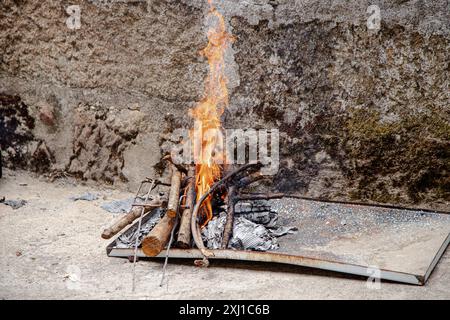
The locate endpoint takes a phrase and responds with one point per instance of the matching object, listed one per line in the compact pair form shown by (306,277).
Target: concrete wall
(363,115)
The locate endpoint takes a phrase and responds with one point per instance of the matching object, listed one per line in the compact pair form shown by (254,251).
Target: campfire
(207,211)
(239,220)
(205,206)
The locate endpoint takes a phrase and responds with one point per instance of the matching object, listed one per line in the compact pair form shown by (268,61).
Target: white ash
(247,235)
(258,212)
(213,231)
(128,238)
(251,206)
(267,218)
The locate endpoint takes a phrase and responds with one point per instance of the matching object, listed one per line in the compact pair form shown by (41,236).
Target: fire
(208,111)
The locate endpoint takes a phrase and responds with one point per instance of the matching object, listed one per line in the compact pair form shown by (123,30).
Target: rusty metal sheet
(402,245)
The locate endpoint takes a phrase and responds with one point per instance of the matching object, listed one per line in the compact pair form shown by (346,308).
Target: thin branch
(228,230)
(194,225)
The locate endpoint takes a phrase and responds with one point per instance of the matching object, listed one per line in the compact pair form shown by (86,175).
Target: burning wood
(220,184)
(206,189)
(247,235)
(236,223)
(207,114)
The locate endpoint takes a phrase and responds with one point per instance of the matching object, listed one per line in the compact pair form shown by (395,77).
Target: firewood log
(174,194)
(158,237)
(124,221)
(184,233)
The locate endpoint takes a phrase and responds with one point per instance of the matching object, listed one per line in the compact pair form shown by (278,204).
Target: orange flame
(208,111)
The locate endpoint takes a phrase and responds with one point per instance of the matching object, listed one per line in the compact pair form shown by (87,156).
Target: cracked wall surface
(363,115)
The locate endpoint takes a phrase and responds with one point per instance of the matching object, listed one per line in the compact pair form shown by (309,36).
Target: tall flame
(208,111)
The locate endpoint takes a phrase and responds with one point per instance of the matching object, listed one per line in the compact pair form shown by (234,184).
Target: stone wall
(363,115)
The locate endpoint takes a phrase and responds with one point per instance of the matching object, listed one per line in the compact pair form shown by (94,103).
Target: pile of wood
(183,216)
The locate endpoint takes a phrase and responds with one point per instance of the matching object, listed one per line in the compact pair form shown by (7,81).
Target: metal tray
(400,245)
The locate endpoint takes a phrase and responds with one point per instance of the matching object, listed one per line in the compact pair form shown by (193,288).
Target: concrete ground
(51,249)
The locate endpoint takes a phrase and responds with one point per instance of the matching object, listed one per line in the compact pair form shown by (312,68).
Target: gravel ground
(51,249)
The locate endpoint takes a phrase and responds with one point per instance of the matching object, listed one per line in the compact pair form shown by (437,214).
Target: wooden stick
(174,194)
(134,213)
(158,237)
(184,232)
(228,230)
(263,196)
(180,168)
(244,182)
(195,229)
